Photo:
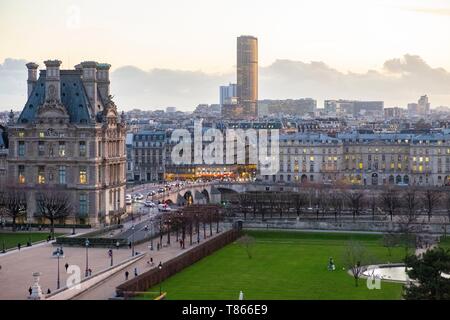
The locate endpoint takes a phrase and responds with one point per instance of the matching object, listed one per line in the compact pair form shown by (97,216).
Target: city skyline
(308,50)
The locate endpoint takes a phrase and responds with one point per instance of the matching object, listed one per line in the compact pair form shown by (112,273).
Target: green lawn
(11,239)
(285,265)
(445,243)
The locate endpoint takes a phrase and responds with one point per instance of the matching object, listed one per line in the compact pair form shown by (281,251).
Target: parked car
(149,204)
(128,200)
(163,207)
(138,196)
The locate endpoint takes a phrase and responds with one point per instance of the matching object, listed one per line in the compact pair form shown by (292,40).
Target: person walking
(30,290)
(135,272)
(126,275)
(18,246)
(66,266)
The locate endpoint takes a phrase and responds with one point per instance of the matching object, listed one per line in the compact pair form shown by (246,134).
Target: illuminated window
(21,134)
(41,175)
(427,159)
(392,165)
(420,168)
(360,165)
(62,149)
(311,158)
(41,134)
(83,175)
(21,174)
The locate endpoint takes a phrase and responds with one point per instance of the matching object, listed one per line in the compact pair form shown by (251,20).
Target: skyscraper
(247,74)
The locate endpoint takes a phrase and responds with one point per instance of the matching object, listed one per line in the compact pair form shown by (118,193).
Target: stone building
(70,137)
(371,159)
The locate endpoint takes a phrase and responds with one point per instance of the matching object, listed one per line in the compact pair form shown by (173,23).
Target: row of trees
(392,201)
(51,205)
(190,220)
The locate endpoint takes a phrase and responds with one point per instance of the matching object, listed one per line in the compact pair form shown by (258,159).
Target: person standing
(126,275)
(66,266)
(18,246)
(135,272)
(30,290)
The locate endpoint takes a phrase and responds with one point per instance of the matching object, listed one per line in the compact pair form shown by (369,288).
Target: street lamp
(4,248)
(132,241)
(58,254)
(86,243)
(160,278)
(151,234)
(111,252)
(117,245)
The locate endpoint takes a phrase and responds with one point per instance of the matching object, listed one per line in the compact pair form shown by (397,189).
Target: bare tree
(335,200)
(13,203)
(446,201)
(247,242)
(410,200)
(390,201)
(390,240)
(355,201)
(53,205)
(354,258)
(300,201)
(430,200)
(373,202)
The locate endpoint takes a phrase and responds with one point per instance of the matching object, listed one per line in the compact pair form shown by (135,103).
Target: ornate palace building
(70,137)
(375,159)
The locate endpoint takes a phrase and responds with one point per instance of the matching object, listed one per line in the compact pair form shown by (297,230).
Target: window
(21,171)
(83,175)
(62,149)
(62,174)
(21,134)
(41,146)
(41,175)
(41,134)
(21,150)
(83,205)
(82,148)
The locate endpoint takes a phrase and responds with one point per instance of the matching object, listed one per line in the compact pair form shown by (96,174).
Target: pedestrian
(90,272)
(48,291)
(135,272)
(18,246)
(126,275)
(151,261)
(30,290)
(181,243)
(66,266)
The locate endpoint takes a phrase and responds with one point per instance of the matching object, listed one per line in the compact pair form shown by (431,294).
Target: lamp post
(58,254)
(151,234)
(160,278)
(111,252)
(86,243)
(117,245)
(4,248)
(132,241)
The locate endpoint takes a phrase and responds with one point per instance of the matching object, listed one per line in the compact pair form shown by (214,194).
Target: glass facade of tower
(247,74)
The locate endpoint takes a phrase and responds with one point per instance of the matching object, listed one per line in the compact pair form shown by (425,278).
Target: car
(149,204)
(138,196)
(161,190)
(128,199)
(163,207)
(151,193)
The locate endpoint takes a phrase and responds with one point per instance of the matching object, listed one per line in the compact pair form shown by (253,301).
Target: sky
(177,52)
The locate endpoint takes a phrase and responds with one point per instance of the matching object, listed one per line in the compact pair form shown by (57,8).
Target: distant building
(171,109)
(353,107)
(297,107)
(227,93)
(148,154)
(393,113)
(247,74)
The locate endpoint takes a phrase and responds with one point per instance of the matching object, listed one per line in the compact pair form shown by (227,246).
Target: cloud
(433,11)
(397,82)
(13,86)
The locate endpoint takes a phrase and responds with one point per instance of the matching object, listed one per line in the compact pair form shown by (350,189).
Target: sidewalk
(107,289)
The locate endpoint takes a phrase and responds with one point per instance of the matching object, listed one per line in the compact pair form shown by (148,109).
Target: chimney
(103,80)
(32,76)
(90,82)
(52,80)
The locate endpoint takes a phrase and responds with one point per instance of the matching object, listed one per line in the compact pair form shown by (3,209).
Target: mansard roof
(73,97)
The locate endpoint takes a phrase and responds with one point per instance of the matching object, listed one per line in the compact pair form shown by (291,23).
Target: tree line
(411,202)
